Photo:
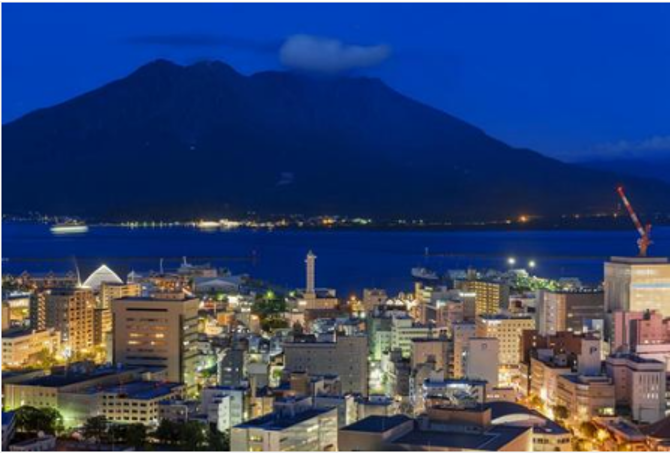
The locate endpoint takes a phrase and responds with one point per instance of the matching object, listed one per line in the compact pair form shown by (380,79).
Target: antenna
(76,268)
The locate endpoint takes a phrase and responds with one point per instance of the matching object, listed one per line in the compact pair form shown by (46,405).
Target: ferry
(425,274)
(69,227)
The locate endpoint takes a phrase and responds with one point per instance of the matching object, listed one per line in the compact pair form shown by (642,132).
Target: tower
(311,264)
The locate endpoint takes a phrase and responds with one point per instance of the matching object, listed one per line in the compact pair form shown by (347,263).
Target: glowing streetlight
(532,264)
(511,261)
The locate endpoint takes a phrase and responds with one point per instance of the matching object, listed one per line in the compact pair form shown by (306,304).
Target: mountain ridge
(172,141)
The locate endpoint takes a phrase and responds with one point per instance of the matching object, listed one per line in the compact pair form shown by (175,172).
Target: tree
(589,430)
(217,441)
(561,412)
(536,401)
(193,436)
(167,432)
(96,428)
(134,435)
(32,420)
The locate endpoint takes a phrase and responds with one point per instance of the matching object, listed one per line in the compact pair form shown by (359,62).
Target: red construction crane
(645,232)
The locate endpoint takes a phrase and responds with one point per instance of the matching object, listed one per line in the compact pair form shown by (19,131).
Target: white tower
(311,262)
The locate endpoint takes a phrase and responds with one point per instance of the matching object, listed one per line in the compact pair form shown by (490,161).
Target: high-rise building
(572,310)
(462,333)
(640,384)
(37,311)
(482,360)
(490,296)
(70,311)
(158,331)
(637,284)
(508,329)
(346,357)
(110,291)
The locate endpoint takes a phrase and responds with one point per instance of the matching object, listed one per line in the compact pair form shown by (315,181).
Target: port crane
(645,231)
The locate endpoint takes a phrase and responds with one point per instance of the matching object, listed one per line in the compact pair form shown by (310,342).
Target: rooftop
(275,421)
(491,440)
(377,423)
(139,390)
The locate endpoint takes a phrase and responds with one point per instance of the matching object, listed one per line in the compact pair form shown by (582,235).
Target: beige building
(637,284)
(568,310)
(462,333)
(110,291)
(586,397)
(158,331)
(439,429)
(430,350)
(294,425)
(70,311)
(544,378)
(346,357)
(74,391)
(508,329)
(19,347)
(640,384)
(490,296)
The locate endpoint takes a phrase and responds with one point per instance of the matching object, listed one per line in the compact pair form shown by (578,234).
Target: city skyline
(336,227)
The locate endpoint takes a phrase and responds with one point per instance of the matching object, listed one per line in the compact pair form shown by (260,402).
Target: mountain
(171,141)
(657,167)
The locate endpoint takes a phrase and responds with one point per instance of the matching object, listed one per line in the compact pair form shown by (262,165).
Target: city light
(511,261)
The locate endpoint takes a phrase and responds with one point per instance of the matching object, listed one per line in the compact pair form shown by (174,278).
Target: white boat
(208,225)
(424,273)
(69,227)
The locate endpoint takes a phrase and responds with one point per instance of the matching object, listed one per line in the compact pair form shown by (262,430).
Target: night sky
(573,81)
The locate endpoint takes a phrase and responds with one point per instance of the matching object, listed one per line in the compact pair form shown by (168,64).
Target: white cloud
(325,55)
(652,146)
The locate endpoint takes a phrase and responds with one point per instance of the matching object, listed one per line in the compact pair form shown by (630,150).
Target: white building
(640,384)
(482,360)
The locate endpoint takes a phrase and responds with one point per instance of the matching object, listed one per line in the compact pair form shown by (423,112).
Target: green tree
(561,412)
(192,436)
(32,420)
(589,430)
(217,441)
(134,435)
(97,428)
(167,432)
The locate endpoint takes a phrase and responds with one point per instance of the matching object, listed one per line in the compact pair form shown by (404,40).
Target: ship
(69,227)
(424,274)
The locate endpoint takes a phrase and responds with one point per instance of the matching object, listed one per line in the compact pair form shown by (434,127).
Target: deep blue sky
(568,80)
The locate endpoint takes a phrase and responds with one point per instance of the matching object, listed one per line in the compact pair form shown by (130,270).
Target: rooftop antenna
(76,268)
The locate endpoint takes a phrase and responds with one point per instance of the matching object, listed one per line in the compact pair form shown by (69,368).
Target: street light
(511,261)
(532,264)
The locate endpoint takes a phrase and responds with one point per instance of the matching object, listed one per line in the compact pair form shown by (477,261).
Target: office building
(575,311)
(508,329)
(294,425)
(70,311)
(586,397)
(346,357)
(110,291)
(440,429)
(159,331)
(640,384)
(490,296)
(20,347)
(637,284)
(482,360)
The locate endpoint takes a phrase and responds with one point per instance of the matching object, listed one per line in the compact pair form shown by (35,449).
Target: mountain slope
(172,141)
(654,167)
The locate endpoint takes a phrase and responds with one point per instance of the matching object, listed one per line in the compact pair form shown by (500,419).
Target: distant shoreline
(584,224)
